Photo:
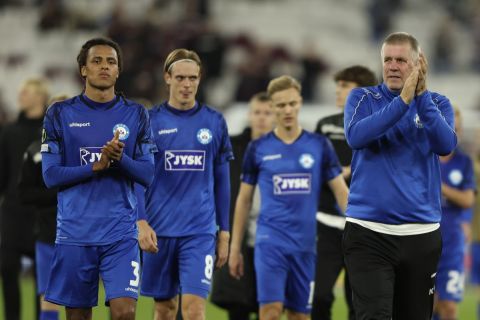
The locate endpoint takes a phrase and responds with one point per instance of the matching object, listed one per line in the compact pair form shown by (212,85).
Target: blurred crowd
(235,66)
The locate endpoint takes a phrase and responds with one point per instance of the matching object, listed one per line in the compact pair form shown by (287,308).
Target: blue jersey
(395,166)
(289,177)
(456,173)
(181,200)
(95,208)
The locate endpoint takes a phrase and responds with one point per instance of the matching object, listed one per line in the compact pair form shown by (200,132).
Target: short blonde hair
(283,83)
(40,86)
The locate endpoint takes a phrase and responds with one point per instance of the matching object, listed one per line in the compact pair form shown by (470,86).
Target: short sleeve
(250,167)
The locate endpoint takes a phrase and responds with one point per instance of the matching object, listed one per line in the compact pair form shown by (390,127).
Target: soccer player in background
(289,165)
(330,219)
(32,191)
(458,195)
(95,147)
(16,227)
(187,204)
(239,297)
(475,248)
(392,239)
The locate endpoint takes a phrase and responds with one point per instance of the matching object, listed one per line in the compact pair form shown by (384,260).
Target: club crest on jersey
(90,155)
(184,160)
(124,131)
(417,121)
(204,136)
(292,183)
(455,177)
(306,160)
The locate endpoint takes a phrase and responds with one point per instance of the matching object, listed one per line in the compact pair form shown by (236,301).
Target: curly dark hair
(82,55)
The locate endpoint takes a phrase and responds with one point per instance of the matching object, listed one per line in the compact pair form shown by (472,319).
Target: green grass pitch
(144,307)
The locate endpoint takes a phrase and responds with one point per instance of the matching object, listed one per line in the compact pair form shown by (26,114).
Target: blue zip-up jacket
(395,167)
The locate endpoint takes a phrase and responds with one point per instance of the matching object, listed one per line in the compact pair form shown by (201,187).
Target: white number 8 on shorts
(208,266)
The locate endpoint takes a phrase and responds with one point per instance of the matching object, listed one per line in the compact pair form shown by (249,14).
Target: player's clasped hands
(416,83)
(410,86)
(114,148)
(422,76)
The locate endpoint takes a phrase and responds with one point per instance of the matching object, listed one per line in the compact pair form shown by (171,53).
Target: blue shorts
(450,274)
(475,253)
(43,262)
(182,265)
(76,270)
(285,277)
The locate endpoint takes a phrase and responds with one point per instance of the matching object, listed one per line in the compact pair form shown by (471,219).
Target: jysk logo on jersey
(184,160)
(124,131)
(204,136)
(90,155)
(292,183)
(306,160)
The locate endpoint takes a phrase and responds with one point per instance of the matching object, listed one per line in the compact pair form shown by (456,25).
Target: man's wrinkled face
(398,63)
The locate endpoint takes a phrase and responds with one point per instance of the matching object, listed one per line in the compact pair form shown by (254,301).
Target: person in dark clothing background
(32,191)
(238,297)
(330,221)
(16,219)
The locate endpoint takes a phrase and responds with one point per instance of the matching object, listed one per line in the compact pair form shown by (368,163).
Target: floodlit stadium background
(243,44)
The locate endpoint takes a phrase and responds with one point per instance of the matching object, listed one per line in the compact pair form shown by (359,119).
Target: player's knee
(194,311)
(78,314)
(166,309)
(270,312)
(124,314)
(448,310)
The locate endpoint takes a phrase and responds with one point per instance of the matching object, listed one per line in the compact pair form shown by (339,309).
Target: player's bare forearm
(462,198)
(242,209)
(340,191)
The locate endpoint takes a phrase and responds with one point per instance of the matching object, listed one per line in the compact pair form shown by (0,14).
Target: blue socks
(49,315)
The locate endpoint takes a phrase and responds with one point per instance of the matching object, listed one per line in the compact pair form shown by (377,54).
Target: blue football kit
(456,173)
(187,201)
(395,169)
(97,211)
(289,177)
(392,242)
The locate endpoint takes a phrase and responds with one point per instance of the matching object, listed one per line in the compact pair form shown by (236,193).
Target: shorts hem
(70,305)
(297,309)
(262,303)
(156,296)
(200,292)
(120,295)
(443,298)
